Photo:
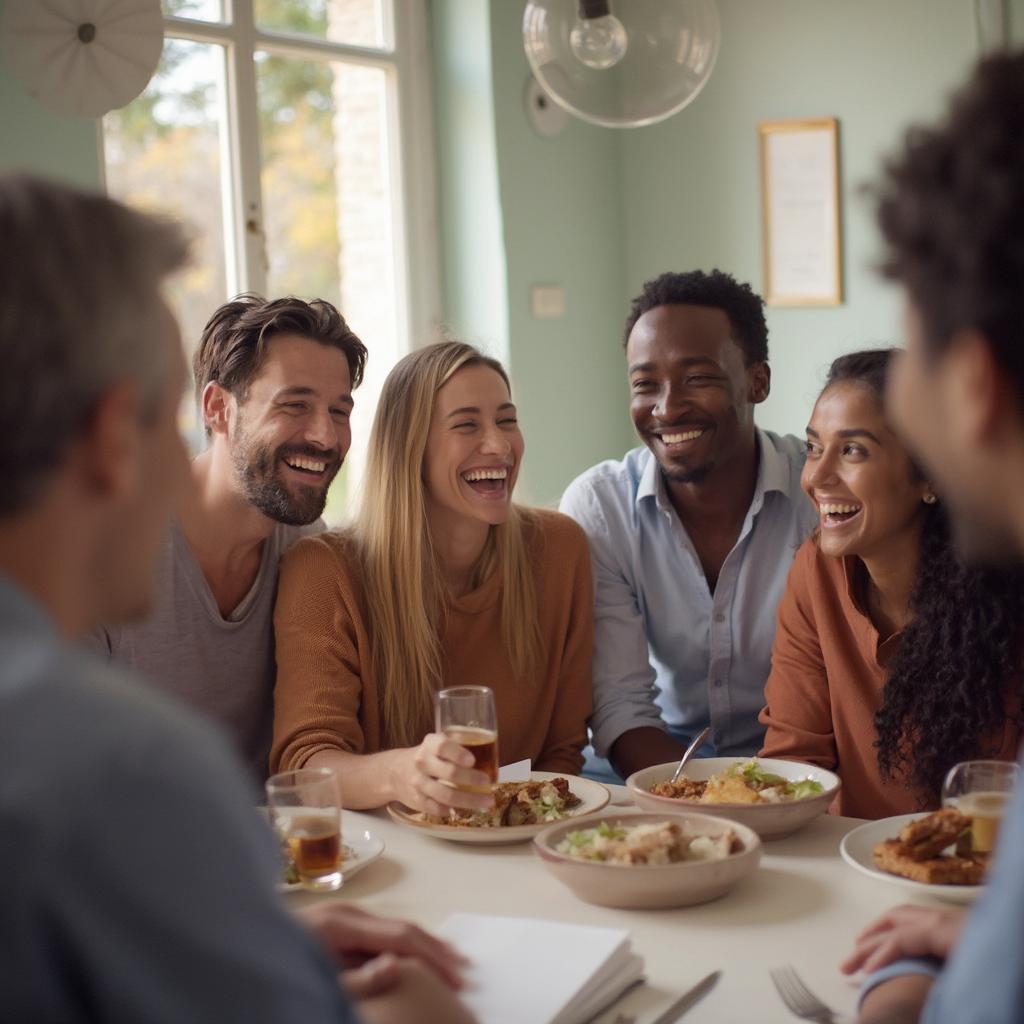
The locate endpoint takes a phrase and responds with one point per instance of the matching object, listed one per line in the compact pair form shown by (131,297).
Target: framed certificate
(800,212)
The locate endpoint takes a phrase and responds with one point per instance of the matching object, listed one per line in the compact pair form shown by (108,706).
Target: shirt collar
(773,474)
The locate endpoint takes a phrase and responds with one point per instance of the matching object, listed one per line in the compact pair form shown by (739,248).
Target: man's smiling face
(290,434)
(691,394)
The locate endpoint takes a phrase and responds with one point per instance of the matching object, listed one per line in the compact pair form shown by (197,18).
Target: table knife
(688,999)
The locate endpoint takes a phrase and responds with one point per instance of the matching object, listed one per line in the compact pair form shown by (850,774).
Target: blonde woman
(442,581)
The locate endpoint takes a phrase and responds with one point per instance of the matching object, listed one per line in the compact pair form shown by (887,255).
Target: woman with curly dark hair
(892,661)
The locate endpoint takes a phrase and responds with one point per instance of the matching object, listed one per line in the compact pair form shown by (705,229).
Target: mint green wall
(33,139)
(599,211)
(691,184)
(561,202)
(472,243)
(518,210)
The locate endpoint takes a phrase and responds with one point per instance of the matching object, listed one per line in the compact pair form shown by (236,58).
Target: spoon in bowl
(690,751)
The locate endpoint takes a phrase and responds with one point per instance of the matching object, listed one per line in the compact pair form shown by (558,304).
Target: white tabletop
(802,907)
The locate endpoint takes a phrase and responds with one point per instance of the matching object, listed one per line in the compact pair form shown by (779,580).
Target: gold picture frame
(801,226)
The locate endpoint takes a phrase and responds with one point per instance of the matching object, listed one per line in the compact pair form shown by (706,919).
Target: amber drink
(982,790)
(467,715)
(305,810)
(483,745)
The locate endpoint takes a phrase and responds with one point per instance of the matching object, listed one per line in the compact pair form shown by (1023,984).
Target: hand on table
(419,776)
(370,949)
(905,931)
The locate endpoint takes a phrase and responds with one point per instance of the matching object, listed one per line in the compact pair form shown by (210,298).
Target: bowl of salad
(648,860)
(771,796)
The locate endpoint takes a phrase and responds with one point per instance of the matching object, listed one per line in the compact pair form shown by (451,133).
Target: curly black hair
(740,303)
(945,699)
(951,210)
(960,655)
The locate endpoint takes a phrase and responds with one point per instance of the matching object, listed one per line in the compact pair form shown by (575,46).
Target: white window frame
(404,57)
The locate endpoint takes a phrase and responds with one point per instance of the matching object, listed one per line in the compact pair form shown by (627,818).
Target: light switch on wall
(547,301)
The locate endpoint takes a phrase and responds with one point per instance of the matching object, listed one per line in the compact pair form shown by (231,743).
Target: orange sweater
(828,673)
(326,694)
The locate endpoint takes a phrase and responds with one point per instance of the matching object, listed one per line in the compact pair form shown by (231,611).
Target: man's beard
(688,476)
(256,467)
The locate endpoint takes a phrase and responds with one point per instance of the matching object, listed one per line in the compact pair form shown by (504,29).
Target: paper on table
(517,772)
(545,972)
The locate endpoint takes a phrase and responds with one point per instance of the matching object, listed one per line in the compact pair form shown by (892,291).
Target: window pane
(327,204)
(162,153)
(201,10)
(357,22)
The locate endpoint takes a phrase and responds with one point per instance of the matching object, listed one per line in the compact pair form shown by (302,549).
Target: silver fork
(799,999)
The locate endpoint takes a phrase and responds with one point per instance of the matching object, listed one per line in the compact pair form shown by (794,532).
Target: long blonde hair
(406,594)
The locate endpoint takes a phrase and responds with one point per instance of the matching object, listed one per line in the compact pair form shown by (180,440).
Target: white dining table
(802,907)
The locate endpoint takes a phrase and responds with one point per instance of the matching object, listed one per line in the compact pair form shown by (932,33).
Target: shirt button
(718,682)
(720,617)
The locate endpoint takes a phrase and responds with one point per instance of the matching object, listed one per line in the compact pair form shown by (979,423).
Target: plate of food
(771,796)
(359,847)
(648,859)
(926,853)
(521,810)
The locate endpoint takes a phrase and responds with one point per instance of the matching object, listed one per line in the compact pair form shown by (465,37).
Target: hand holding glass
(982,790)
(305,811)
(466,714)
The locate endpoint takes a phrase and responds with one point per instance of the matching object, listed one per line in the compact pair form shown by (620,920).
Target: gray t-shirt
(137,878)
(221,667)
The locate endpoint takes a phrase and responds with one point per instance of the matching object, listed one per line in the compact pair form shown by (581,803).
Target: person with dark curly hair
(892,660)
(692,534)
(951,210)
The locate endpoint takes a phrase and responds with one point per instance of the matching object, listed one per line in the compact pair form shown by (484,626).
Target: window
(284,133)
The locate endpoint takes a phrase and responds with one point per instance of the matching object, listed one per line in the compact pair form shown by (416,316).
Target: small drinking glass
(466,714)
(982,790)
(305,811)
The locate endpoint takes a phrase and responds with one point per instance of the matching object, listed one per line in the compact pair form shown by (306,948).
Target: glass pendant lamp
(621,63)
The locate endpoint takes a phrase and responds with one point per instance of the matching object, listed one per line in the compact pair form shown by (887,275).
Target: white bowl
(769,821)
(649,886)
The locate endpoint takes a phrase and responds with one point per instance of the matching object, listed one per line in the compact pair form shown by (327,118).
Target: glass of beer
(305,811)
(466,714)
(982,790)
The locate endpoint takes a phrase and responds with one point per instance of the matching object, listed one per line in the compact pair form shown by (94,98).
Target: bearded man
(274,380)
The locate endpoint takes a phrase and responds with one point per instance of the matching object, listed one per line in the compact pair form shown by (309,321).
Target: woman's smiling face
(474,448)
(859,476)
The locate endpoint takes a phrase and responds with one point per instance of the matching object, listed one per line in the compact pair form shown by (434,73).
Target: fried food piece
(891,856)
(728,790)
(929,836)
(684,789)
(532,800)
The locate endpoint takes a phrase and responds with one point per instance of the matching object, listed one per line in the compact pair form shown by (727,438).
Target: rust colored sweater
(829,667)
(326,695)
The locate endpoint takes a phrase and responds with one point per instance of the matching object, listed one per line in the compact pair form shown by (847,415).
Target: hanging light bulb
(655,67)
(598,38)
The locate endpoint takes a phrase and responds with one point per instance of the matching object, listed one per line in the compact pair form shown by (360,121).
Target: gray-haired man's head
(80,309)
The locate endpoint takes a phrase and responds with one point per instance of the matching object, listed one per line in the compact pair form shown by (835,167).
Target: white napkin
(544,972)
(517,772)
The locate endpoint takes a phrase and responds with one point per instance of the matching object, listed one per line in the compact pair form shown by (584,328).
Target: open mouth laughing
(678,439)
(835,514)
(488,482)
(310,468)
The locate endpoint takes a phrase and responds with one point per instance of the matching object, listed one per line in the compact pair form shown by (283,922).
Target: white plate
(856,849)
(361,847)
(593,797)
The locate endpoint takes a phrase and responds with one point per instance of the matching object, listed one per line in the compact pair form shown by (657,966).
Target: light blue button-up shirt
(666,650)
